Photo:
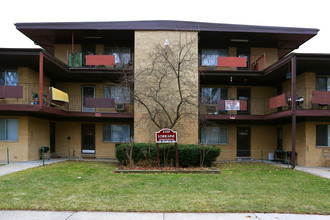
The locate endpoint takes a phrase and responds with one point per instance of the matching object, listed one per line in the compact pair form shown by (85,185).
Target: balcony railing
(252,63)
(104,61)
(306,99)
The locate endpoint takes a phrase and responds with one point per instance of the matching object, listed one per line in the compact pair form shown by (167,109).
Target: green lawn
(242,187)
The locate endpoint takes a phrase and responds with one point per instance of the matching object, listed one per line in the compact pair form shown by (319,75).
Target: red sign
(166,135)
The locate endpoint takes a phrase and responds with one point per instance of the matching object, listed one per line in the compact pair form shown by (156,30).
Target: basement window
(8,129)
(8,78)
(323,135)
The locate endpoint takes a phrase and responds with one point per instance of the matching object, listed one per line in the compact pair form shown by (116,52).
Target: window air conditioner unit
(120,107)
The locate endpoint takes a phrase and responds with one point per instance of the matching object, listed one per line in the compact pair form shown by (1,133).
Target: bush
(189,155)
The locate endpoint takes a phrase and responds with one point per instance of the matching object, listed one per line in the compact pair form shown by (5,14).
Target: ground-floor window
(323,135)
(116,133)
(214,135)
(8,129)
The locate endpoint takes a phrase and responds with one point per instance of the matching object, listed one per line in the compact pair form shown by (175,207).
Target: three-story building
(66,95)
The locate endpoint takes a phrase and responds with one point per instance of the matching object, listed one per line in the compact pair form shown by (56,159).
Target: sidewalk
(317,171)
(13,167)
(35,215)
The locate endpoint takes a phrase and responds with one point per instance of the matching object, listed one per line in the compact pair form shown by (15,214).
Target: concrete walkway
(35,215)
(317,171)
(13,167)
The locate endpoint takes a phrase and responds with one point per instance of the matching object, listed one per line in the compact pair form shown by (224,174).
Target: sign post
(167,135)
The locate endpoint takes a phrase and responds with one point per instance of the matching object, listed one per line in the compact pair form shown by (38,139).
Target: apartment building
(241,78)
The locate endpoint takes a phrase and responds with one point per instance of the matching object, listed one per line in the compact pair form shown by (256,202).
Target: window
(121,94)
(322,83)
(213,95)
(117,133)
(214,135)
(9,78)
(323,135)
(210,56)
(122,55)
(8,129)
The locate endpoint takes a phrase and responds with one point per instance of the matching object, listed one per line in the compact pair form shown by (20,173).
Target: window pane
(328,135)
(321,83)
(210,95)
(2,78)
(106,132)
(120,133)
(214,135)
(11,78)
(12,129)
(328,84)
(210,56)
(321,135)
(2,129)
(107,92)
(121,94)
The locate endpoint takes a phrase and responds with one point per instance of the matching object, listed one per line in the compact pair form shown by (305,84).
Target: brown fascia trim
(299,56)
(165,25)
(59,112)
(283,114)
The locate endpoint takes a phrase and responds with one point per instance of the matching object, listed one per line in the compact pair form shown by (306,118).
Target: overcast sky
(288,13)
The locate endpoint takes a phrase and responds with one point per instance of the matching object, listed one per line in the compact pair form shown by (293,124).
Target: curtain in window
(210,56)
(214,135)
(116,133)
(121,94)
(321,83)
(213,95)
(9,129)
(122,55)
(9,78)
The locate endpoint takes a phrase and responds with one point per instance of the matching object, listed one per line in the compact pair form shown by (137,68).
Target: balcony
(224,63)
(104,61)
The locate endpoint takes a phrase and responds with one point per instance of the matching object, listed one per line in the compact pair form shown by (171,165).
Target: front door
(88,138)
(52,137)
(87,92)
(243,142)
(244,94)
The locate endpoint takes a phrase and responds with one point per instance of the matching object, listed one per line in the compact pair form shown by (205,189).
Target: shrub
(189,155)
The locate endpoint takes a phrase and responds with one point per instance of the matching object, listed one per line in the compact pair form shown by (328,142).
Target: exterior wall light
(166,43)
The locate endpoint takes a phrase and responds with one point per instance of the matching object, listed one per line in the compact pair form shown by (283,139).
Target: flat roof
(165,25)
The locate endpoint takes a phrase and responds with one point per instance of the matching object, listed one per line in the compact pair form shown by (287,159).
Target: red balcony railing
(253,63)
(104,61)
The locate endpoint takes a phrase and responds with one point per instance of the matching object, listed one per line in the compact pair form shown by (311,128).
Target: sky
(286,13)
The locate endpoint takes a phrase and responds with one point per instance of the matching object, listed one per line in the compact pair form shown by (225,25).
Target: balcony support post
(293,110)
(41,78)
(72,43)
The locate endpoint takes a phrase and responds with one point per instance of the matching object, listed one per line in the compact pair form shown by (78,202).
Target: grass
(242,187)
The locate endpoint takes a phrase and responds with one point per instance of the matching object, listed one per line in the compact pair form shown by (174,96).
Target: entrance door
(52,137)
(244,94)
(87,92)
(88,138)
(243,142)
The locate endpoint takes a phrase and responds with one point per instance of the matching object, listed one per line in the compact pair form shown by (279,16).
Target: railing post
(43,155)
(7,155)
(41,78)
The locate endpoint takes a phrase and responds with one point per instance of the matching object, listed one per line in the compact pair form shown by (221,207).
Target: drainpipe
(293,110)
(41,78)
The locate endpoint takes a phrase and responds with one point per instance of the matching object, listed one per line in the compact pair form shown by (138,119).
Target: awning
(58,95)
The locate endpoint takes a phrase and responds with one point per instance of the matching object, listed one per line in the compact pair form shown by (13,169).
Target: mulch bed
(139,169)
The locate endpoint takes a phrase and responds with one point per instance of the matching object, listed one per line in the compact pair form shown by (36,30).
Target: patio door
(244,95)
(243,142)
(87,92)
(88,138)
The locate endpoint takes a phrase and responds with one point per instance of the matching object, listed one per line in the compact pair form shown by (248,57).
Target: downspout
(41,79)
(293,110)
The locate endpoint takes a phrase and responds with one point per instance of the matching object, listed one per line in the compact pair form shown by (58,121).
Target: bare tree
(166,83)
